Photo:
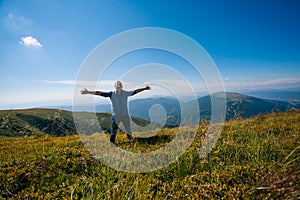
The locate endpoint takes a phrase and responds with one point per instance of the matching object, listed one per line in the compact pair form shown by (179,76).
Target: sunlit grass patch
(256,158)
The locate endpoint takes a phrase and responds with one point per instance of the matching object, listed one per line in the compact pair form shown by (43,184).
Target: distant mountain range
(243,106)
(238,106)
(288,96)
(60,122)
(274,99)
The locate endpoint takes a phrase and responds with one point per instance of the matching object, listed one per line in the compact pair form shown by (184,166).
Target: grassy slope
(36,122)
(254,158)
(53,122)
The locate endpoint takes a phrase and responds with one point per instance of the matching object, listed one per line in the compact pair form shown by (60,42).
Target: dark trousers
(116,120)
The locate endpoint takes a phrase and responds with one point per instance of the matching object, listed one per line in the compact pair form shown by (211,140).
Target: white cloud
(226,79)
(65,82)
(30,98)
(281,83)
(30,42)
(161,87)
(176,87)
(83,83)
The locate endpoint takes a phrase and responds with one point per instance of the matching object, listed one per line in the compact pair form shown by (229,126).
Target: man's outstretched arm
(85,91)
(142,89)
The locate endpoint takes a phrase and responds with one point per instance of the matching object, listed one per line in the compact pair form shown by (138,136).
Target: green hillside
(52,122)
(36,122)
(255,158)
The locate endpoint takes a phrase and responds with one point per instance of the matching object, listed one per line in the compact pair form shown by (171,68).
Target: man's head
(118,85)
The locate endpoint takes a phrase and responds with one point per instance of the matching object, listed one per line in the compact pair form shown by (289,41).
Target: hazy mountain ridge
(58,122)
(238,106)
(277,95)
(243,106)
(140,108)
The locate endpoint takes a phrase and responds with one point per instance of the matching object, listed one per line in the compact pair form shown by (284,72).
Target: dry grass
(255,158)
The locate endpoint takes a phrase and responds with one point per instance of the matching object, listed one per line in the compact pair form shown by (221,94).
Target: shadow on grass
(154,139)
(151,140)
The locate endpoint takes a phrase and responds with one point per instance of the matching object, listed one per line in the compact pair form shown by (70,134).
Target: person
(119,99)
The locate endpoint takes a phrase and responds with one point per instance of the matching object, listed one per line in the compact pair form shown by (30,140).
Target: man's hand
(142,89)
(147,87)
(84,91)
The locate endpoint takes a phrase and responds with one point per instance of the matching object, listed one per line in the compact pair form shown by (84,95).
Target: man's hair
(118,83)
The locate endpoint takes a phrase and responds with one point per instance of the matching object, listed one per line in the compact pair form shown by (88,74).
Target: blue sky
(255,44)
